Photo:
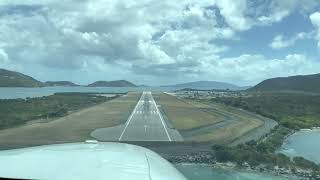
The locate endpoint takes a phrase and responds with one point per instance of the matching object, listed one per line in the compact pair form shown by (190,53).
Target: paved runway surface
(144,124)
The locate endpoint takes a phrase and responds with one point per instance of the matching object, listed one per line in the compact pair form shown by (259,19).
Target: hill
(207,85)
(307,83)
(60,83)
(118,83)
(16,79)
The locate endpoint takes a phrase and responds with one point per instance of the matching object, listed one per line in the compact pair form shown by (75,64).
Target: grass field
(241,123)
(15,112)
(190,116)
(185,116)
(292,110)
(72,128)
(228,133)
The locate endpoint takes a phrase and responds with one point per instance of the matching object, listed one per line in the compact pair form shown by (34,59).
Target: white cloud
(279,42)
(274,17)
(250,69)
(157,38)
(277,10)
(234,13)
(3,57)
(124,33)
(315,20)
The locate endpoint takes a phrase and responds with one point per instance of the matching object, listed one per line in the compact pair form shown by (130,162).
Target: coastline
(234,167)
(208,159)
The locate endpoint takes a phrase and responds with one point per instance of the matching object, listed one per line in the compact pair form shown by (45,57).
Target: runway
(146,122)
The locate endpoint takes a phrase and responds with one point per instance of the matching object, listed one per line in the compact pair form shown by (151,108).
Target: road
(145,122)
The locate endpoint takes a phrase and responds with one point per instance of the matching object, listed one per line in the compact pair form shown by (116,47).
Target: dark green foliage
(292,110)
(274,141)
(246,153)
(303,163)
(250,154)
(263,152)
(18,111)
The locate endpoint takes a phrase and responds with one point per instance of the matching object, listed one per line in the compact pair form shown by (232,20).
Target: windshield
(218,88)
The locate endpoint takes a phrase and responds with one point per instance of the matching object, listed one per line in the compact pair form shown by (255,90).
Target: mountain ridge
(10,78)
(16,79)
(207,85)
(308,83)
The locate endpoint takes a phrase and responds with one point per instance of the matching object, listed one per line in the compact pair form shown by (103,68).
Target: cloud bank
(148,39)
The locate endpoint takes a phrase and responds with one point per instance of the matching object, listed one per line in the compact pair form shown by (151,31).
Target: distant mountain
(308,83)
(119,83)
(60,83)
(207,85)
(16,79)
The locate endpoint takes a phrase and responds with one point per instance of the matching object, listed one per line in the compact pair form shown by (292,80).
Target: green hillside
(16,79)
(119,83)
(308,83)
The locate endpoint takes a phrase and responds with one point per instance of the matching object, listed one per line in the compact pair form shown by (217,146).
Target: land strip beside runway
(200,121)
(72,128)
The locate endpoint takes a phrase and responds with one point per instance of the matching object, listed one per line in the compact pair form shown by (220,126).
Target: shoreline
(234,167)
(208,159)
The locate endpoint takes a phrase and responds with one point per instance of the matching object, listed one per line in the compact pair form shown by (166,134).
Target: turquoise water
(12,93)
(303,143)
(203,172)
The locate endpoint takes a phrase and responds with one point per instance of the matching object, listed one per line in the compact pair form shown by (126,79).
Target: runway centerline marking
(137,110)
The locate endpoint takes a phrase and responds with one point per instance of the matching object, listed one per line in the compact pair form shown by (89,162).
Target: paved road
(146,122)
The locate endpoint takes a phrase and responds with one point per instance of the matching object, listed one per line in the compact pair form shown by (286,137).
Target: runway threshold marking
(133,112)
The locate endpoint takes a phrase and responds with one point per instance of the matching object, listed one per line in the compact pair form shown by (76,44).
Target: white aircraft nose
(89,160)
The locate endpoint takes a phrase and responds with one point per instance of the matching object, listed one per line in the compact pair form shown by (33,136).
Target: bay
(13,93)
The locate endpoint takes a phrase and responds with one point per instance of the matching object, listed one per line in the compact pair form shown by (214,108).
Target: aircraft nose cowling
(86,161)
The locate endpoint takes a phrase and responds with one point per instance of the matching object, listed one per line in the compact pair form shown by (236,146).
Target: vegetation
(19,111)
(249,153)
(306,83)
(292,110)
(263,153)
(15,79)
(60,83)
(273,141)
(119,83)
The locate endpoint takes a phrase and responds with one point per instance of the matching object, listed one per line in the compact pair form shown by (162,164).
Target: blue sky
(160,42)
(257,39)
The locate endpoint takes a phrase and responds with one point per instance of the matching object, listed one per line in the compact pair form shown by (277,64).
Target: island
(60,83)
(118,83)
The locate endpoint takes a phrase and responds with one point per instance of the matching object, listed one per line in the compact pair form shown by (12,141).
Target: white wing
(114,161)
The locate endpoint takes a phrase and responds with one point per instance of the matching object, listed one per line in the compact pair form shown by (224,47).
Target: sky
(156,42)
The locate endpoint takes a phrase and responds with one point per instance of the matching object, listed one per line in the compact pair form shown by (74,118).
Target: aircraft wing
(114,161)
